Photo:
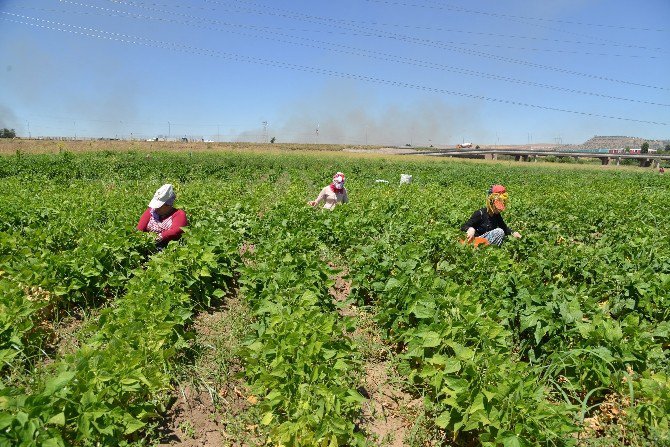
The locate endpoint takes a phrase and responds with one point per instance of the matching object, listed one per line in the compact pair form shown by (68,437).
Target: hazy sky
(348,71)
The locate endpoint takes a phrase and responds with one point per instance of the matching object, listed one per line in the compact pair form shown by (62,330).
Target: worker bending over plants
(332,194)
(486,225)
(162,218)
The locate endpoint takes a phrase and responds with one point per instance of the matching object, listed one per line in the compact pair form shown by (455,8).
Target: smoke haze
(341,114)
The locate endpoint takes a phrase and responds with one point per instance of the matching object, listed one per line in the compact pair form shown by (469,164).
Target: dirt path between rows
(211,406)
(389,412)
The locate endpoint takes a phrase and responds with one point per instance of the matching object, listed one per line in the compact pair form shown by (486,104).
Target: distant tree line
(7,133)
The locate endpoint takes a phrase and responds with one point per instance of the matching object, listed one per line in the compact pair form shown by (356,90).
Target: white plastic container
(405,178)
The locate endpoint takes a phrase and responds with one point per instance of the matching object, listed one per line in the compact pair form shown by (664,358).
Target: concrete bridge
(645,160)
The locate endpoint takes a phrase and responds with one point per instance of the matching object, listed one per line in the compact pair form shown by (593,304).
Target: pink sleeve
(174,232)
(144,220)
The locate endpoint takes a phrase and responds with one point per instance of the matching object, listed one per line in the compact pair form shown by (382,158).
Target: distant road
(527,155)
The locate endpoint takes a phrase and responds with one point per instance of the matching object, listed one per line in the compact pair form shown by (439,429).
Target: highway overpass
(644,160)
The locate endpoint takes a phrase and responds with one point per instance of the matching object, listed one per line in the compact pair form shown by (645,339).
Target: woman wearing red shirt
(162,218)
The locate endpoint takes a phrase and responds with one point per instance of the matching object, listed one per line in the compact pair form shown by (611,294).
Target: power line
(525,20)
(437,44)
(386,57)
(386,25)
(294,15)
(367,34)
(267,62)
(509,16)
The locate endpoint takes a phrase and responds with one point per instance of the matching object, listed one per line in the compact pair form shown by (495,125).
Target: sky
(378,72)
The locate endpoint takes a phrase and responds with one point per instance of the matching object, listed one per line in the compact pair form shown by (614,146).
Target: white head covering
(164,194)
(338,180)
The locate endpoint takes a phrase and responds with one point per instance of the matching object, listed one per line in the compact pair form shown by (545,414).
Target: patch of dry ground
(211,405)
(389,413)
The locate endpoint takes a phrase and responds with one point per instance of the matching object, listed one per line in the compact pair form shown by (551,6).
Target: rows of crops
(512,346)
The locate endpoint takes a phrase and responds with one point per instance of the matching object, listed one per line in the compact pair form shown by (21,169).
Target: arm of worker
(320,197)
(469,226)
(507,230)
(144,220)
(175,231)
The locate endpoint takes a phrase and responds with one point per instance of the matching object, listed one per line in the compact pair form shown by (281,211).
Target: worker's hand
(517,235)
(311,203)
(470,234)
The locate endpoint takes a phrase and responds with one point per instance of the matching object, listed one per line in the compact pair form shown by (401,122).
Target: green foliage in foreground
(520,345)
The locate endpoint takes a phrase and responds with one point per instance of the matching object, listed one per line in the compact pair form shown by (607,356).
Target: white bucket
(405,178)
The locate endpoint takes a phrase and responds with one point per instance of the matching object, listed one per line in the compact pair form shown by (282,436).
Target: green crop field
(560,338)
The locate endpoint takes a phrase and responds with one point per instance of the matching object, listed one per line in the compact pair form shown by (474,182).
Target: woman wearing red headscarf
(332,194)
(487,223)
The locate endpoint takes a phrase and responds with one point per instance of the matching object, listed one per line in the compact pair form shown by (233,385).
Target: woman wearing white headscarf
(162,218)
(332,194)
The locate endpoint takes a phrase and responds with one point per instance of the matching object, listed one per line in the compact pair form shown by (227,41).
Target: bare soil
(212,406)
(389,412)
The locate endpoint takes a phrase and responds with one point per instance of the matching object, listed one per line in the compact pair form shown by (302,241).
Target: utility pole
(265,131)
(29,135)
(169,129)
(218,138)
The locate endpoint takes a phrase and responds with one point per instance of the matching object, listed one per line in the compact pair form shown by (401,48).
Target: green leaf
(451,366)
(462,352)
(267,418)
(219,293)
(58,382)
(443,420)
(5,420)
(511,441)
(430,339)
(6,355)
(53,442)
(423,309)
(58,419)
(477,404)
(354,396)
(391,284)
(132,424)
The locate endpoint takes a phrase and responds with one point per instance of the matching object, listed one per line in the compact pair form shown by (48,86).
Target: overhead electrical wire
(386,57)
(530,21)
(106,35)
(374,34)
(510,16)
(437,44)
(342,21)
(386,25)
(404,25)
